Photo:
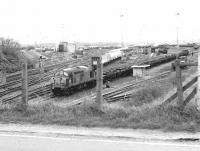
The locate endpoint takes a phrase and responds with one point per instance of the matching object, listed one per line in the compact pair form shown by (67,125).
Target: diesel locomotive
(70,80)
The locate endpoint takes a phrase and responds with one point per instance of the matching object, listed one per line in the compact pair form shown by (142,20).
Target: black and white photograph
(99,75)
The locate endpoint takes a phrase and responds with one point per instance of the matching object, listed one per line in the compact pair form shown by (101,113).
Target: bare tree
(9,47)
(9,58)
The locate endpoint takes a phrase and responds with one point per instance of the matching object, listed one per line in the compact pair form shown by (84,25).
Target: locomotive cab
(59,81)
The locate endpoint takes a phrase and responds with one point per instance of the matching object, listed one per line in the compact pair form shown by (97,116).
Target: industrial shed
(140,70)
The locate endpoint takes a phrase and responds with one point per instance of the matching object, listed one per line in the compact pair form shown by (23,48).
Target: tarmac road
(22,142)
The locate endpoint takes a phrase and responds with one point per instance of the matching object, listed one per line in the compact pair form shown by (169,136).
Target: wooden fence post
(198,85)
(179,84)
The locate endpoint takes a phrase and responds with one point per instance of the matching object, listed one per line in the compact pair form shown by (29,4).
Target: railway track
(36,72)
(33,93)
(15,79)
(14,83)
(18,87)
(127,91)
(122,93)
(108,74)
(116,69)
(113,95)
(34,79)
(74,62)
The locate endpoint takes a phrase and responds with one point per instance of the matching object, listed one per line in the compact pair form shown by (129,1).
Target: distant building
(66,47)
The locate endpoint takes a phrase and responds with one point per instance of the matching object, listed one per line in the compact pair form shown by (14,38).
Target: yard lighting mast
(122,28)
(177,30)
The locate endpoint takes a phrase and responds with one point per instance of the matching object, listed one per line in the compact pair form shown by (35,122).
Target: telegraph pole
(99,81)
(24,101)
(24,85)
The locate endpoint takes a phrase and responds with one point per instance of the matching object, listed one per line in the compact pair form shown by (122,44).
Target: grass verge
(168,118)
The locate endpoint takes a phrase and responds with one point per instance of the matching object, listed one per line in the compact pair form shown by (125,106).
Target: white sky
(30,21)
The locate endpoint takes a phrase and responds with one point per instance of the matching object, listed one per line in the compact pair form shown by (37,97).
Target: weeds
(145,95)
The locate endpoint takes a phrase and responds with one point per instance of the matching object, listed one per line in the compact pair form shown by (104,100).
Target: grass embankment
(138,112)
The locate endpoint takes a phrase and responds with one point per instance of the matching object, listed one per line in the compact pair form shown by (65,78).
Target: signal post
(41,67)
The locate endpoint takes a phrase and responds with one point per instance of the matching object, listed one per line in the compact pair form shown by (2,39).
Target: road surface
(18,142)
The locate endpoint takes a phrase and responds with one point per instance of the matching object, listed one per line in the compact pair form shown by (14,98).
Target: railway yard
(39,83)
(125,90)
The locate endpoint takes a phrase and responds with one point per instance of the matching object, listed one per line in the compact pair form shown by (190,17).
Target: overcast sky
(31,21)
